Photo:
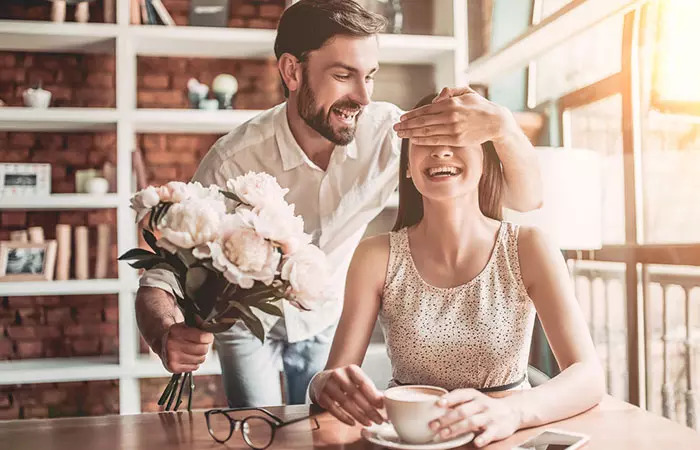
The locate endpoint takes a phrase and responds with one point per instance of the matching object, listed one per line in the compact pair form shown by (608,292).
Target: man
(338,153)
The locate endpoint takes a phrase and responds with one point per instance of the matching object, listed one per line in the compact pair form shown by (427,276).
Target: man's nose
(363,94)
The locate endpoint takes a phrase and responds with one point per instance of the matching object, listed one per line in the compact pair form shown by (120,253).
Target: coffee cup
(410,410)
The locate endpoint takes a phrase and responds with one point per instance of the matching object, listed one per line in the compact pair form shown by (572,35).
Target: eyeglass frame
(233,423)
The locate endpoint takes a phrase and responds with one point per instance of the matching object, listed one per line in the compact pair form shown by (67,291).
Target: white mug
(410,410)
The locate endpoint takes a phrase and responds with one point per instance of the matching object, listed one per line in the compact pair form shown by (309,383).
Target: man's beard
(317,119)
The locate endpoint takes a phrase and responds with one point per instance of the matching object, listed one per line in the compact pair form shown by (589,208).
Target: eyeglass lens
(257,432)
(220,427)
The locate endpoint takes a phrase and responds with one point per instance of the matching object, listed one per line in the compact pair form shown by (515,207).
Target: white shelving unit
(446,53)
(56,370)
(57,119)
(189,120)
(67,287)
(60,201)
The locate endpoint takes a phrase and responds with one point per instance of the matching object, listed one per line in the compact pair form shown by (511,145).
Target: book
(63,239)
(103,242)
(162,12)
(81,253)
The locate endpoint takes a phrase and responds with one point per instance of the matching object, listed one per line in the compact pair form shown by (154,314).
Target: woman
(456,290)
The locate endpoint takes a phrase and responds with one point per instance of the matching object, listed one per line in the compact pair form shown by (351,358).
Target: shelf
(204,42)
(209,42)
(190,120)
(57,119)
(60,201)
(414,49)
(67,287)
(70,37)
(57,370)
(152,367)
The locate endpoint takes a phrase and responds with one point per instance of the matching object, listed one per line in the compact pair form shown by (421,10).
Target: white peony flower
(244,256)
(177,191)
(277,222)
(143,201)
(191,224)
(257,189)
(307,274)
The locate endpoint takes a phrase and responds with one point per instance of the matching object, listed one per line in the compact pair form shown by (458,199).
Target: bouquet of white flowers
(231,251)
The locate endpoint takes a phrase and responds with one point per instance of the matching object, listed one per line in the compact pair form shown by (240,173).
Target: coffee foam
(417,394)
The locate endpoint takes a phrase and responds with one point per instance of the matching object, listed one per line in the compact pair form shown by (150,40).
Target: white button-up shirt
(336,204)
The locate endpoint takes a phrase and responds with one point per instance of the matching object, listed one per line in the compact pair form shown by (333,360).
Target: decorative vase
(36,97)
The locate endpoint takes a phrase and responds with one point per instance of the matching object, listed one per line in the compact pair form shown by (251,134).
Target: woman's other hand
(469,410)
(349,394)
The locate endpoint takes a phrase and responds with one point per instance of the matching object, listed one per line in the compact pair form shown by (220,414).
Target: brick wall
(53,326)
(50,400)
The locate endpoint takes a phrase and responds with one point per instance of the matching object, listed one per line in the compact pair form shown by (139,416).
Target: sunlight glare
(678,59)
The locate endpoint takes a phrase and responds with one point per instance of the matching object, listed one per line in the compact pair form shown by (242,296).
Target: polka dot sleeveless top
(474,335)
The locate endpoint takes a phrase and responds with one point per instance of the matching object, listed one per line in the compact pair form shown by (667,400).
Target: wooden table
(613,425)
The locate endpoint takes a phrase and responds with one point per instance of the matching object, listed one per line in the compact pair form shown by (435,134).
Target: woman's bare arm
(343,388)
(581,383)
(363,289)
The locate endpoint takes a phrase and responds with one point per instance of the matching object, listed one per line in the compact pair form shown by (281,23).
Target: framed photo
(27,261)
(25,179)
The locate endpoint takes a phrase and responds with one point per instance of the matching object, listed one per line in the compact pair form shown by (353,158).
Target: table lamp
(571,214)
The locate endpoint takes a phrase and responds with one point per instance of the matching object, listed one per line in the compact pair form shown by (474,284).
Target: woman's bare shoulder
(537,254)
(374,248)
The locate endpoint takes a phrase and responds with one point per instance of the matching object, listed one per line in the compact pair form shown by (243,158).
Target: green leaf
(230,195)
(136,253)
(151,240)
(176,262)
(151,218)
(194,280)
(163,211)
(147,263)
(251,321)
(270,309)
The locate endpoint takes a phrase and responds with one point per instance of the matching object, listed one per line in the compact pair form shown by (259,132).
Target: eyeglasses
(258,431)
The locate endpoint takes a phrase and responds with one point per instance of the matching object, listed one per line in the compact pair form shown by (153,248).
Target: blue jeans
(251,369)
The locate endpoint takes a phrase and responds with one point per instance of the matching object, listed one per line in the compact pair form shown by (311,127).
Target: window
(549,7)
(598,126)
(586,58)
(677,68)
(671,186)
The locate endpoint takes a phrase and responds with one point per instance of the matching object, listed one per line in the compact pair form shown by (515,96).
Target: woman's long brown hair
(490,186)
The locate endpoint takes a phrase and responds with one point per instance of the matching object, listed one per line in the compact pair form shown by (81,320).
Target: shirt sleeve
(393,139)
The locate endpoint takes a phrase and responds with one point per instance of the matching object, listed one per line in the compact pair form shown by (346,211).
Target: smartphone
(553,439)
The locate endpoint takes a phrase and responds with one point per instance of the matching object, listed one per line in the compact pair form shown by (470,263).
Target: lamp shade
(571,214)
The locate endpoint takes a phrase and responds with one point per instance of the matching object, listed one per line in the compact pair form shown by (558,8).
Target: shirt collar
(292,155)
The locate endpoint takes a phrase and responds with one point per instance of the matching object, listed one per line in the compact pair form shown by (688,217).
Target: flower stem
(189,398)
(182,387)
(173,392)
(166,392)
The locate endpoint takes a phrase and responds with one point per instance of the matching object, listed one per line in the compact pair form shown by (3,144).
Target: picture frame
(25,179)
(27,261)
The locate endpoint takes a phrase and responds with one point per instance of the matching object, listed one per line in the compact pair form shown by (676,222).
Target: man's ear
(289,66)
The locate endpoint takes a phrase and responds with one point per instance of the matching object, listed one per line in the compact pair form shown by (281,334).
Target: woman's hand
(469,410)
(348,394)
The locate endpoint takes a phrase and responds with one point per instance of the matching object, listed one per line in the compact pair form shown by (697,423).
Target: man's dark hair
(308,24)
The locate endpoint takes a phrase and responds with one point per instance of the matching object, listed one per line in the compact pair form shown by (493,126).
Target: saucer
(385,436)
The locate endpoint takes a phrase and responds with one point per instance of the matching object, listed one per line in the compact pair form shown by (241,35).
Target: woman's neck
(451,230)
